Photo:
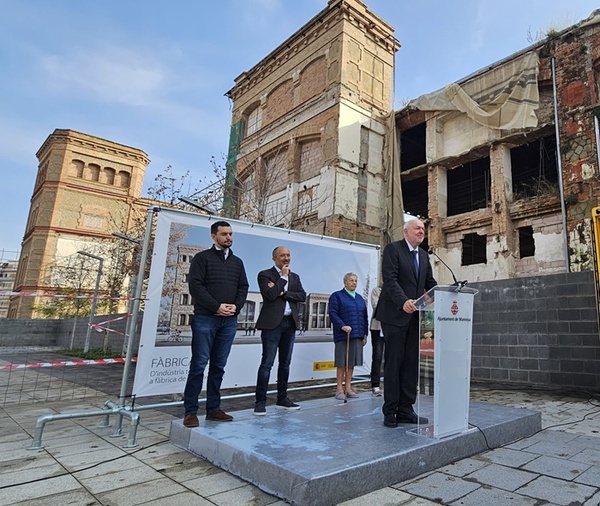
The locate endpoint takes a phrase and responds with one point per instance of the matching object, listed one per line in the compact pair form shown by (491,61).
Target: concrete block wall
(537,331)
(57,333)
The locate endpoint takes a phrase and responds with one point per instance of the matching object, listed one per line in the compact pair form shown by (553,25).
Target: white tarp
(504,97)
(321,262)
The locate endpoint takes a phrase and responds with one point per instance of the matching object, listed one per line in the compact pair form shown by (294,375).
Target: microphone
(460,284)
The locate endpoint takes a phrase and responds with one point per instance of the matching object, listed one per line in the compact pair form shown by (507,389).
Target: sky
(152,74)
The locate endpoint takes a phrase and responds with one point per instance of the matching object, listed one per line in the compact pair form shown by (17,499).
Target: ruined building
(507,192)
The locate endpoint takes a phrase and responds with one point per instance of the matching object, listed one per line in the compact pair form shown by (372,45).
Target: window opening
(412,147)
(474,249)
(534,169)
(526,242)
(469,187)
(415,196)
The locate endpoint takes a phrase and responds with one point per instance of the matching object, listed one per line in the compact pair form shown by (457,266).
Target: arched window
(123,179)
(280,100)
(313,79)
(109,175)
(254,120)
(93,172)
(76,168)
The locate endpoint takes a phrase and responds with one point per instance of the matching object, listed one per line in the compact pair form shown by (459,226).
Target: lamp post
(129,325)
(88,334)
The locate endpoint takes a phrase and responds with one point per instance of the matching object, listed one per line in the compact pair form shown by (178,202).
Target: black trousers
(401,366)
(377,344)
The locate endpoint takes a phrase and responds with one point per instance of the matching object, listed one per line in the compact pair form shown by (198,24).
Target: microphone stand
(459,284)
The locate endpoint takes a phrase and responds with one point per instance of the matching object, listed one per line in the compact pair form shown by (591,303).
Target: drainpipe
(597,133)
(560,176)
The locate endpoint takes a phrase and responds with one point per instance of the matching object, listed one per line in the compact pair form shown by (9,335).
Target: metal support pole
(139,284)
(36,444)
(560,175)
(88,334)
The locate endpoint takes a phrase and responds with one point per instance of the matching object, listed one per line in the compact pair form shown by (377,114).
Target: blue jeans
(280,338)
(212,337)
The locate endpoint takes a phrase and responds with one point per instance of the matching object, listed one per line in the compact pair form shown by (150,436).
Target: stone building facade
(308,127)
(86,188)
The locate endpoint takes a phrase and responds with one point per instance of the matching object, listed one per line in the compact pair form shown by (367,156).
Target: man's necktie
(415,262)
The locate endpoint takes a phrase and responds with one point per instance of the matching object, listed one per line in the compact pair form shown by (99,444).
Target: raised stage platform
(328,452)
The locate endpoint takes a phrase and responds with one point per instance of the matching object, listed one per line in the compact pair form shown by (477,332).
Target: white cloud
(111,74)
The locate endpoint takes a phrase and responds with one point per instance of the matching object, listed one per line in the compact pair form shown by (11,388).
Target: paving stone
(120,479)
(141,493)
(588,456)
(494,497)
(73,498)
(37,489)
(465,466)
(590,477)
(386,495)
(91,457)
(183,499)
(441,488)
(557,491)
(50,469)
(110,467)
(558,468)
(243,495)
(507,457)
(593,501)
(502,477)
(214,484)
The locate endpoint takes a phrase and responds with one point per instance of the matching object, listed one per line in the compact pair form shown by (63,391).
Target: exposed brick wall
(311,159)
(537,331)
(280,101)
(313,79)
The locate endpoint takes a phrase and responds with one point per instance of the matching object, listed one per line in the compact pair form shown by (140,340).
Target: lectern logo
(454,308)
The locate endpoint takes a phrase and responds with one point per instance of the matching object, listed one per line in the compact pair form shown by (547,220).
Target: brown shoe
(219,416)
(191,421)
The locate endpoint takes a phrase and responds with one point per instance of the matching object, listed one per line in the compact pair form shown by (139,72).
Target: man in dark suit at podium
(278,320)
(407,275)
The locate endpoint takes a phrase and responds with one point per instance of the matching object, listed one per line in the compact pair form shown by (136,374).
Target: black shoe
(286,404)
(390,421)
(260,408)
(410,417)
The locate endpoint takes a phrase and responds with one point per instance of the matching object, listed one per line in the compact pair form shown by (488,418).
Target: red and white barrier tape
(62,296)
(65,363)
(99,327)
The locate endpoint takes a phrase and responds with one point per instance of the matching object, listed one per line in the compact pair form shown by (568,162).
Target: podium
(445,330)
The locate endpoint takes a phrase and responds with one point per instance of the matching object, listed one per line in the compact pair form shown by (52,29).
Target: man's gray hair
(407,223)
(348,275)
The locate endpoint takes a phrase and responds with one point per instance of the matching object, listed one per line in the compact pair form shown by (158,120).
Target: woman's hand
(347,328)
(364,340)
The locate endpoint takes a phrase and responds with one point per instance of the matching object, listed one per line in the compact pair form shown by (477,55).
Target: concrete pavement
(82,464)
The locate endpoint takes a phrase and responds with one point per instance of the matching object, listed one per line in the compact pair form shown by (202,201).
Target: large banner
(321,262)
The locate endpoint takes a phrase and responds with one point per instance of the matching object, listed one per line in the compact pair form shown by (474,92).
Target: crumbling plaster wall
(355,49)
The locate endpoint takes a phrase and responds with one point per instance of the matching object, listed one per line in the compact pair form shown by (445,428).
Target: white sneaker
(376,392)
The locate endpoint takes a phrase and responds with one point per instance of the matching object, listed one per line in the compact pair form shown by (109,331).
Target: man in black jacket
(407,275)
(281,291)
(219,287)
